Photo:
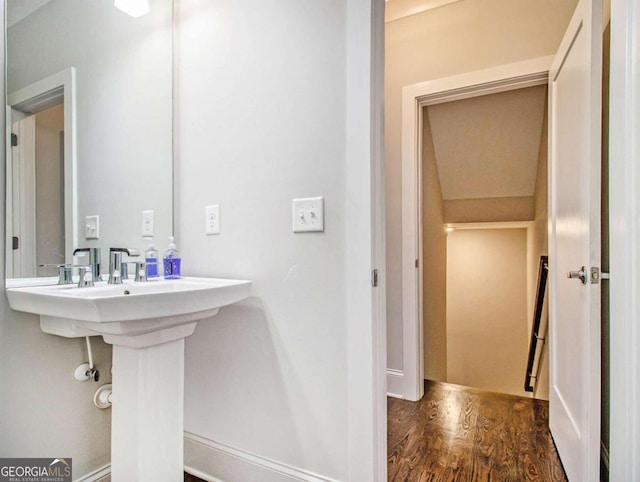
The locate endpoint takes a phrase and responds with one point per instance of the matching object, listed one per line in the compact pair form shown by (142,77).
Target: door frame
(408,382)
(624,206)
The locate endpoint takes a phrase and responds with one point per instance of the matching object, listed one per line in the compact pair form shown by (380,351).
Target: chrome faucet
(116,264)
(95,259)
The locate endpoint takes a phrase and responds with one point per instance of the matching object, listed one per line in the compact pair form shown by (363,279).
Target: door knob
(581,275)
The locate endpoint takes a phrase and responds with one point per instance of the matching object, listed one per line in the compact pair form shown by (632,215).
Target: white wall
(487,309)
(434,239)
(124,108)
(264,118)
(457,38)
(43,410)
(540,247)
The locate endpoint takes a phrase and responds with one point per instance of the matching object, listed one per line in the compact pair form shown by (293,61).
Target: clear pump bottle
(171,261)
(151,256)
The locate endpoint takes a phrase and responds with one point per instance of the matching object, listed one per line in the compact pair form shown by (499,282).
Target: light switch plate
(92,227)
(147,224)
(212,219)
(308,215)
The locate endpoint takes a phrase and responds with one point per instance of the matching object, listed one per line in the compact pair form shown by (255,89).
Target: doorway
(415,98)
(482,171)
(37,190)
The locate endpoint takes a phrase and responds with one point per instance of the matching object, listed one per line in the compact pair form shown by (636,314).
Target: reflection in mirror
(90,91)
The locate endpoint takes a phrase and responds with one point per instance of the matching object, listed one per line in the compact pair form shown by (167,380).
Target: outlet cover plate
(147,224)
(308,215)
(212,219)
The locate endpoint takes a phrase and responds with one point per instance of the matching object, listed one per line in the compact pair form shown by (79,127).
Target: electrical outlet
(147,224)
(92,227)
(212,219)
(308,215)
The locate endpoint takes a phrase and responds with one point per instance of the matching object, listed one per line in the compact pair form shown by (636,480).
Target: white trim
(503,78)
(624,206)
(214,457)
(395,382)
(38,96)
(99,475)
(378,247)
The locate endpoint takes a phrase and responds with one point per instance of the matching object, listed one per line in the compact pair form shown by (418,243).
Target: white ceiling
(19,9)
(488,146)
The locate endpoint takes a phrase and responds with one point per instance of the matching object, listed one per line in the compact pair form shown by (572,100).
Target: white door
(575,163)
(23,196)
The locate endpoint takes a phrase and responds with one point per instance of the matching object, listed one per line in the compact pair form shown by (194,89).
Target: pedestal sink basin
(131,314)
(146,323)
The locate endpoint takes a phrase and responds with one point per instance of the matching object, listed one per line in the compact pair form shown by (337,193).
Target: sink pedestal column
(147,413)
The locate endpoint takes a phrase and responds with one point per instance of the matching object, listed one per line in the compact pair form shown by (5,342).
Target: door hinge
(14,139)
(16,242)
(374,278)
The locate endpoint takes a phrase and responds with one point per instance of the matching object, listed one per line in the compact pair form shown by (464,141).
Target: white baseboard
(203,457)
(395,383)
(102,474)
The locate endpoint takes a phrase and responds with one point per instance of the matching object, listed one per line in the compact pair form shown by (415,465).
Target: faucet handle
(141,271)
(86,276)
(64,272)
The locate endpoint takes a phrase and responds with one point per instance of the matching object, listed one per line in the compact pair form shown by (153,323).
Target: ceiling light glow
(135,8)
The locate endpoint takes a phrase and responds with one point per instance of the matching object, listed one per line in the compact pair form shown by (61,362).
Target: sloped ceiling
(397,9)
(19,9)
(488,146)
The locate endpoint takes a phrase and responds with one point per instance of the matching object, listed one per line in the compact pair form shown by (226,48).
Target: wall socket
(147,224)
(212,219)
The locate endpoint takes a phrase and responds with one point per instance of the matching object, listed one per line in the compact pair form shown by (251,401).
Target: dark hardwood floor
(192,478)
(464,434)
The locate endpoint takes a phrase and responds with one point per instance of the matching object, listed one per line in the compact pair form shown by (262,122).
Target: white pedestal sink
(146,323)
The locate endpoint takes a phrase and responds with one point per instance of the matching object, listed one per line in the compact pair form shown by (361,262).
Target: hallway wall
(269,93)
(434,292)
(540,247)
(486,308)
(453,39)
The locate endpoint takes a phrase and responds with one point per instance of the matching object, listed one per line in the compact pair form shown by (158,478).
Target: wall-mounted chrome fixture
(135,8)
(86,371)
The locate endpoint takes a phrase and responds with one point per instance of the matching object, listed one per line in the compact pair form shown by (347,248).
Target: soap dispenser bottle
(171,261)
(151,258)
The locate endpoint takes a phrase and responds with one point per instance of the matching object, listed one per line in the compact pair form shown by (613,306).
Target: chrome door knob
(581,275)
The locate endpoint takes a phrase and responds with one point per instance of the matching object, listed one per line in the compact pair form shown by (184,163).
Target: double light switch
(308,215)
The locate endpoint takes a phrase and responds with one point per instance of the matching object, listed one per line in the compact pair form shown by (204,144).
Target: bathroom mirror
(89,85)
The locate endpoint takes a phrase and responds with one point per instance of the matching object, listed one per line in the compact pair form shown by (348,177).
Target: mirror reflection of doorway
(41,198)
(37,185)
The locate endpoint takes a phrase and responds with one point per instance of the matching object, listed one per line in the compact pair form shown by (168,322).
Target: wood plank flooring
(192,478)
(464,434)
